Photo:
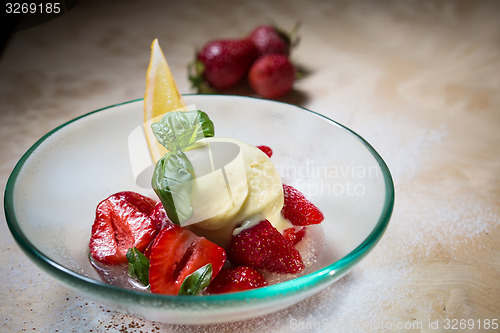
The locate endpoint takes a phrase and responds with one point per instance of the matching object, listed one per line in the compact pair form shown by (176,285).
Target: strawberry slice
(236,279)
(178,252)
(264,247)
(122,221)
(267,150)
(298,210)
(294,234)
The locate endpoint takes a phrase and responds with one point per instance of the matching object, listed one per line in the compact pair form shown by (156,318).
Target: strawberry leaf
(196,281)
(138,266)
(195,75)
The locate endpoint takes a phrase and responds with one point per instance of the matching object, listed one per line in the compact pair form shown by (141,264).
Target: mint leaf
(173,174)
(172,183)
(206,126)
(179,129)
(138,266)
(196,281)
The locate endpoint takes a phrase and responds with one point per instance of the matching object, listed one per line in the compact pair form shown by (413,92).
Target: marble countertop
(419,80)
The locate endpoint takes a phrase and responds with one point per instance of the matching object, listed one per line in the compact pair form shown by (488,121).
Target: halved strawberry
(298,210)
(159,216)
(160,219)
(264,247)
(122,221)
(178,252)
(294,234)
(266,150)
(236,279)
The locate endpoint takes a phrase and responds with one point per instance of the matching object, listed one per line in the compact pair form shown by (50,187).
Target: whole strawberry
(264,247)
(270,40)
(298,210)
(272,76)
(224,63)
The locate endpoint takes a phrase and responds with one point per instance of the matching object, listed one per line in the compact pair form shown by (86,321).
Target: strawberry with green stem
(221,64)
(270,39)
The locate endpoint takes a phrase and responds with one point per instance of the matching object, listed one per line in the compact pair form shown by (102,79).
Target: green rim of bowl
(311,280)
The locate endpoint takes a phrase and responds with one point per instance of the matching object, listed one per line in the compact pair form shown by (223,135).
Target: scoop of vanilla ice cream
(236,186)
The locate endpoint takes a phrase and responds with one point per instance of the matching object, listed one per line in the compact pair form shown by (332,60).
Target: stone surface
(419,80)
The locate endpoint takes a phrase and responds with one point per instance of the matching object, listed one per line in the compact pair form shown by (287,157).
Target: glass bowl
(52,193)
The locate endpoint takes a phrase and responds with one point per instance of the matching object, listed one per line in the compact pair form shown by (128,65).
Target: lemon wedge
(161,96)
